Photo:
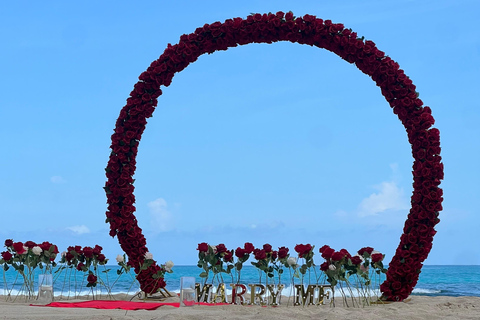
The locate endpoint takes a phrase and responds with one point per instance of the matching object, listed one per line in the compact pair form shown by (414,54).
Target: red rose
(78,249)
(228,257)
(345,252)
(202,247)
(303,249)
(249,247)
(8,243)
(338,255)
(29,244)
(327,253)
(68,257)
(356,260)
(324,266)
(324,248)
(88,252)
(97,250)
(7,256)
(267,247)
(18,247)
(260,254)
(274,255)
(221,248)
(368,250)
(80,266)
(240,253)
(377,257)
(101,257)
(282,252)
(92,278)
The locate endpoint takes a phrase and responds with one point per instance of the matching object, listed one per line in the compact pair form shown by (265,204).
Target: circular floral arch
(397,88)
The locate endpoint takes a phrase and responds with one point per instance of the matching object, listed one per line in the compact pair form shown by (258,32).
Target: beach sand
(417,307)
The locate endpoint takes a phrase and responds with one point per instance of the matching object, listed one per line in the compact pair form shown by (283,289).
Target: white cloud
(389,197)
(161,218)
(57,179)
(79,229)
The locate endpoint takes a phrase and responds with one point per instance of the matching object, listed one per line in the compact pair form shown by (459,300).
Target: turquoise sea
(434,280)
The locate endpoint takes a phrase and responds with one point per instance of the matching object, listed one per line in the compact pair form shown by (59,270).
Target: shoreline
(415,307)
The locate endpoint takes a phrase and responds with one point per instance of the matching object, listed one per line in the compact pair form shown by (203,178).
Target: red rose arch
(396,87)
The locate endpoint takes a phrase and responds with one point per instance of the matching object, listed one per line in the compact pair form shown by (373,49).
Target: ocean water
(434,280)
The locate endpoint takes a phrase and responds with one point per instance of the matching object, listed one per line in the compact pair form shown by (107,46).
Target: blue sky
(278,143)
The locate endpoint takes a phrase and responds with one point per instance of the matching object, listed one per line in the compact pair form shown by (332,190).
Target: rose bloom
(101,257)
(228,257)
(249,247)
(324,266)
(37,250)
(260,254)
(214,249)
(357,259)
(282,252)
(91,278)
(327,253)
(8,243)
(366,249)
(148,256)
(18,247)
(88,252)
(377,257)
(29,244)
(239,252)
(292,261)
(337,256)
(274,255)
(119,258)
(221,248)
(97,250)
(80,266)
(332,267)
(7,256)
(202,247)
(267,247)
(168,266)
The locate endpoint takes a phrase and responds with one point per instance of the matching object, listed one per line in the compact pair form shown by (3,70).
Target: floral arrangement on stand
(397,88)
(25,258)
(86,262)
(357,277)
(364,268)
(80,270)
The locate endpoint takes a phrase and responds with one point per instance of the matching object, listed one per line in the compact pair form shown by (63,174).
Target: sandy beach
(417,307)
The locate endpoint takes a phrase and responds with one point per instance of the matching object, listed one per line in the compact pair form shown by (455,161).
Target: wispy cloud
(57,179)
(388,197)
(82,229)
(161,218)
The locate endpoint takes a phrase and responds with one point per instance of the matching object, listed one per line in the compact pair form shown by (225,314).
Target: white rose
(63,254)
(168,266)
(25,249)
(332,267)
(119,258)
(214,248)
(292,261)
(148,256)
(37,250)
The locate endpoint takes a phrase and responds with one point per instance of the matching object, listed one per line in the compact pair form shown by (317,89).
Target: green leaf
(203,275)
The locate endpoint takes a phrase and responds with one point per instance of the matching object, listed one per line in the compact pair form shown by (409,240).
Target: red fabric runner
(125,305)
